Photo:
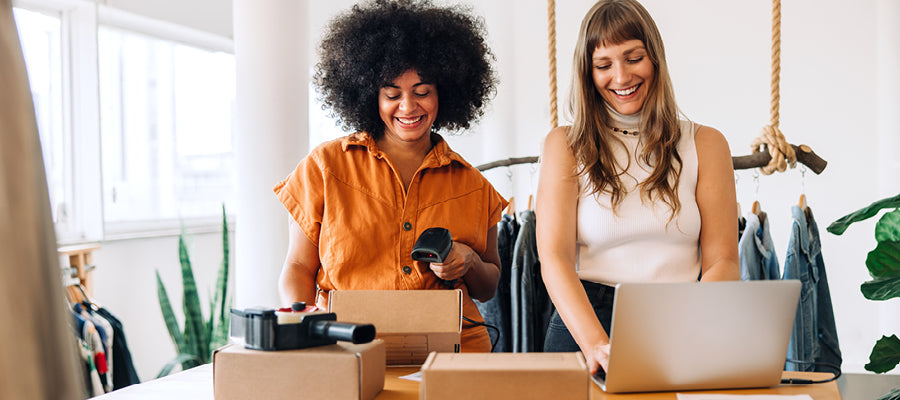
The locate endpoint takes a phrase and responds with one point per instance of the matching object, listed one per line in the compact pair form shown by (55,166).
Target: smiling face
(623,74)
(408,106)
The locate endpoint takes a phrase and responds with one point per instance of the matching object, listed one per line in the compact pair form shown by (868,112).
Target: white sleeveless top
(638,243)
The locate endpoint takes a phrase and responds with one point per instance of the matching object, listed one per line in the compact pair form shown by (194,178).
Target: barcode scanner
(433,246)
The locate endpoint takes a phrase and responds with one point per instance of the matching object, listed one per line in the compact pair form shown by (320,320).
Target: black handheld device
(297,327)
(433,245)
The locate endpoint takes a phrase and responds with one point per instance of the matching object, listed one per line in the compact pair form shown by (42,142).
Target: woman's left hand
(458,262)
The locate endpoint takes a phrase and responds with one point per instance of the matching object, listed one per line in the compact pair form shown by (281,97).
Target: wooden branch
(507,162)
(805,156)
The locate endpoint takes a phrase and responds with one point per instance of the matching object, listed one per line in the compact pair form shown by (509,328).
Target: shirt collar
(440,155)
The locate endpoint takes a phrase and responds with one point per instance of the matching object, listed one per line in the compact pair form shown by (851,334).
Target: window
(165,112)
(41,41)
(134,117)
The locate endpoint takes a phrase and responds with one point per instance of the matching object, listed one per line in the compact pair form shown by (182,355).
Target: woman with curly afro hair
(395,73)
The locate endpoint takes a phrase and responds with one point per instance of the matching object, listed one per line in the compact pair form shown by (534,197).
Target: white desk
(196,384)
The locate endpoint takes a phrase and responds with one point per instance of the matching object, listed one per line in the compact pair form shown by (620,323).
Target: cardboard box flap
(510,362)
(400,311)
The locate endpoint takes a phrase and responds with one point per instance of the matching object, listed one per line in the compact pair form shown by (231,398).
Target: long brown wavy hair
(614,22)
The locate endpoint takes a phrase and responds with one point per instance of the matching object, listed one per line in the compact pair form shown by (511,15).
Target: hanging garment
(756,251)
(94,359)
(530,304)
(106,335)
(93,336)
(496,311)
(123,373)
(814,337)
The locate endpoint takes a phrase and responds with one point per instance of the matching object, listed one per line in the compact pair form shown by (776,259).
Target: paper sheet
(415,376)
(712,396)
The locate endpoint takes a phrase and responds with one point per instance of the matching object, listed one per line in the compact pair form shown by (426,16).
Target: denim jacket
(814,337)
(756,251)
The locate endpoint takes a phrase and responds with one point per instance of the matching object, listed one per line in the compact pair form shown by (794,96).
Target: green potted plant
(201,335)
(884,267)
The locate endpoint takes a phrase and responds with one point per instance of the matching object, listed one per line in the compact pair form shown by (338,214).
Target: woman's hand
(598,357)
(458,262)
(480,272)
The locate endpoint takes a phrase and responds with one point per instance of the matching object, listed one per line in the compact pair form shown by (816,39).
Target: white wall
(718,53)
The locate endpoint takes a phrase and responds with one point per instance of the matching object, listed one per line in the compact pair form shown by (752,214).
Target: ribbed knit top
(637,243)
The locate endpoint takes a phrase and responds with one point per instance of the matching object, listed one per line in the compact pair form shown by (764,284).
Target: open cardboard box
(412,323)
(472,376)
(338,371)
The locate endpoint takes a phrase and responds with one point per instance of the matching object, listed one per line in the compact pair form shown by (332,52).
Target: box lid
(509,362)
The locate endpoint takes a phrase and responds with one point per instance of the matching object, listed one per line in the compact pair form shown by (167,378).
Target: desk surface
(196,384)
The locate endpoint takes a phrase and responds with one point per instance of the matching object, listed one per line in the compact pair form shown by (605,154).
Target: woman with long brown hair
(630,192)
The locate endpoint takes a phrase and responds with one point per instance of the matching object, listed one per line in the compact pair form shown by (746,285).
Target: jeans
(601,296)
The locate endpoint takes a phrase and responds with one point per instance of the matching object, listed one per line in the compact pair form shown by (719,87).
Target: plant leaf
(179,359)
(169,315)
(893,395)
(884,261)
(196,336)
(220,336)
(881,289)
(885,355)
(888,227)
(219,317)
(838,227)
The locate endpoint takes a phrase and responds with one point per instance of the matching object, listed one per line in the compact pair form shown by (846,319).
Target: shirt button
(406,269)
(407,226)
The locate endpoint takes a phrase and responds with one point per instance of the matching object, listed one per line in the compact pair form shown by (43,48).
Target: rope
(771,138)
(775,87)
(551,33)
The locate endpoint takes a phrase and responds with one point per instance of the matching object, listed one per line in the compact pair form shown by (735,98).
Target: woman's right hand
(598,357)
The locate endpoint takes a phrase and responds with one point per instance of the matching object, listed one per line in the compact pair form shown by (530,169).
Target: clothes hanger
(757,208)
(87,300)
(802,202)
(511,207)
(530,202)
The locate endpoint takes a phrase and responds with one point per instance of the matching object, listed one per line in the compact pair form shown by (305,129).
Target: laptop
(696,336)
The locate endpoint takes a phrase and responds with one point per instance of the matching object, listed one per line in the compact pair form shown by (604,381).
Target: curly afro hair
(375,42)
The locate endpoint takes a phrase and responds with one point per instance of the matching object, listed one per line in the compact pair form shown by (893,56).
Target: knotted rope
(551,33)
(782,153)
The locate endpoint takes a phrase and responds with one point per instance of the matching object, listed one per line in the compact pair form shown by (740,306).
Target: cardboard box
(338,371)
(412,323)
(474,376)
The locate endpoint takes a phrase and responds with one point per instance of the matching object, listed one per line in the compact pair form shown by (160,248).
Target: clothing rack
(81,265)
(805,156)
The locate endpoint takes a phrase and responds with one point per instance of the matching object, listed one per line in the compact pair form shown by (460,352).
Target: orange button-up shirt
(349,200)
